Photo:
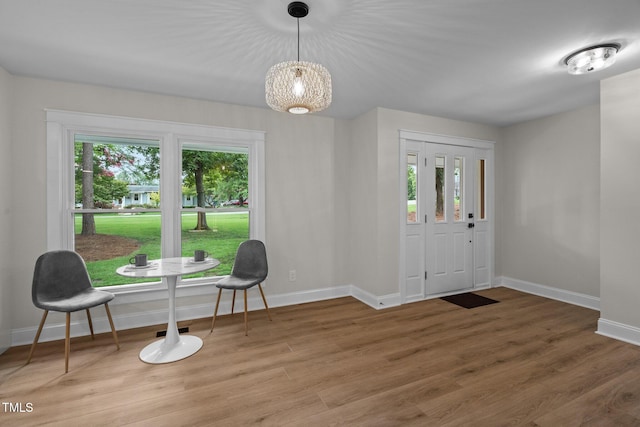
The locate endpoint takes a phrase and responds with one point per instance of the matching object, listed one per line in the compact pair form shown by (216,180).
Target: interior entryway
(447,219)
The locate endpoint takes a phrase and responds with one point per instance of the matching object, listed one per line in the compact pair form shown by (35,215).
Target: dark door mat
(469,300)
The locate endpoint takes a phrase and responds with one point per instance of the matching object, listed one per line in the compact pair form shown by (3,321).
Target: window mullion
(170,194)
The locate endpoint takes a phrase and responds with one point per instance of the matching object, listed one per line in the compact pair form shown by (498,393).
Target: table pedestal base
(161,352)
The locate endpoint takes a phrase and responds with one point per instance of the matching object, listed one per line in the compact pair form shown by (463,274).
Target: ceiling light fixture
(592,58)
(298,87)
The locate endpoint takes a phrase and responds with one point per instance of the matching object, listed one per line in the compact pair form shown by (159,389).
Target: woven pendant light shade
(298,87)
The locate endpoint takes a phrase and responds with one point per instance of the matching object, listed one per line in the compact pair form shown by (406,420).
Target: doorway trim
(406,136)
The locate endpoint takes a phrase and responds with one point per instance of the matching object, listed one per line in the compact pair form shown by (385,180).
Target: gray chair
(249,269)
(61,283)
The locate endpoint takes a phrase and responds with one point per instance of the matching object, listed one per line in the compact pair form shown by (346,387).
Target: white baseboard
(385,301)
(570,297)
(5,340)
(619,331)
(79,327)
(301,297)
(607,328)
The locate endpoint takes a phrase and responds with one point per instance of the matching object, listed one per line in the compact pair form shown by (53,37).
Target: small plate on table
(193,261)
(142,267)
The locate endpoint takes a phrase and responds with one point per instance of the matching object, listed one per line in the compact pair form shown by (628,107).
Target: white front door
(449,233)
(447,229)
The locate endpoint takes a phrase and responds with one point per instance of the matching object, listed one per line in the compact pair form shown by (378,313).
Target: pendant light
(298,87)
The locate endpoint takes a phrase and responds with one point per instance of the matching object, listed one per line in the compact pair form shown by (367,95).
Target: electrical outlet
(292,275)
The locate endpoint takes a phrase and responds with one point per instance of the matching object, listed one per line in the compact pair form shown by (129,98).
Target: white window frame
(62,126)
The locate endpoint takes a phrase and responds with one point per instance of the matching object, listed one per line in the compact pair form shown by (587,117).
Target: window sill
(128,294)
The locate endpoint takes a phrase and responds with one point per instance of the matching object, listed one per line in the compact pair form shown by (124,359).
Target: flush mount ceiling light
(298,87)
(592,58)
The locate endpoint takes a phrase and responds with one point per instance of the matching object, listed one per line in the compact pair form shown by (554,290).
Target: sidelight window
(458,195)
(481,190)
(440,179)
(412,188)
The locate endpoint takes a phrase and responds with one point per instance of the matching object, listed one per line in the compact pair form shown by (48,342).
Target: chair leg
(67,344)
(93,337)
(215,313)
(246,328)
(35,341)
(113,329)
(264,300)
(233,301)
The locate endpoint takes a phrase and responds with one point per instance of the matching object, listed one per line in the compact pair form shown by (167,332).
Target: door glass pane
(440,189)
(458,193)
(481,208)
(116,177)
(412,188)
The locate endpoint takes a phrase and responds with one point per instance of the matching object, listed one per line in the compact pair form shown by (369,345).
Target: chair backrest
(58,275)
(251,260)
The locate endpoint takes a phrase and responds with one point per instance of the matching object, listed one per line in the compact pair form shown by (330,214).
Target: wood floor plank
(524,361)
(619,401)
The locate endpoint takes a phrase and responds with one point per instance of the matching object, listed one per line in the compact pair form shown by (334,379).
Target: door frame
(406,136)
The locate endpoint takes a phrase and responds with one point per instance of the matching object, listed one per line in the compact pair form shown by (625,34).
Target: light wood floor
(525,361)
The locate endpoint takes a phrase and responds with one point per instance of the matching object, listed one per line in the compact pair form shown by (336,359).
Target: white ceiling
(490,61)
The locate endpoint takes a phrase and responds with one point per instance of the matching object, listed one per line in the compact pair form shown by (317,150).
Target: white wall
(620,195)
(362,214)
(299,181)
(551,197)
(342,174)
(6,206)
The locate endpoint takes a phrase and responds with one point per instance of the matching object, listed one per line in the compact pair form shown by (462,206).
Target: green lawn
(228,230)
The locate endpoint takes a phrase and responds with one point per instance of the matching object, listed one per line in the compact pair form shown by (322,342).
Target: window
(481,190)
(412,188)
(114,178)
(216,180)
(458,196)
(133,184)
(440,188)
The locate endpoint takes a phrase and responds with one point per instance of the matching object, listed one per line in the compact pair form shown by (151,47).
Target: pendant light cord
(298,19)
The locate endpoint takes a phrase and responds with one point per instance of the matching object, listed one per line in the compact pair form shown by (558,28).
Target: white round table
(173,346)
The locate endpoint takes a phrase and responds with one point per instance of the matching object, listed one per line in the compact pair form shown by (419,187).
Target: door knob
(471,225)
